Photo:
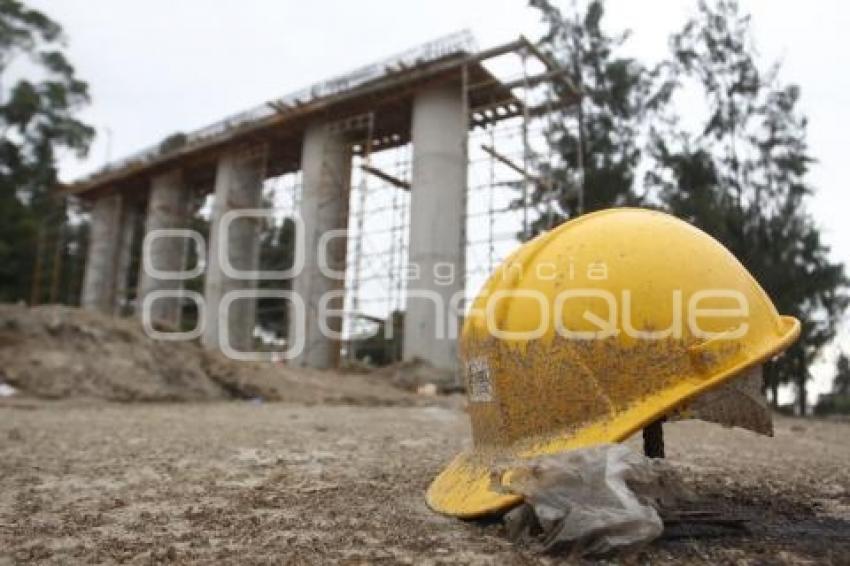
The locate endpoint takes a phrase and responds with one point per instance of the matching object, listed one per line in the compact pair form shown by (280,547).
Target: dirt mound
(278,382)
(60,352)
(57,352)
(416,374)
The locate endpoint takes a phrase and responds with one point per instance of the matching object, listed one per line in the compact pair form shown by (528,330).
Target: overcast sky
(161,66)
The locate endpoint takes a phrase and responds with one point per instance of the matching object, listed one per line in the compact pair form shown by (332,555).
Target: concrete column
(326,171)
(238,185)
(126,239)
(167,210)
(437,216)
(102,262)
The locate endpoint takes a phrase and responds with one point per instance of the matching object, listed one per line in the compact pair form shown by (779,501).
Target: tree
(597,143)
(277,252)
(838,401)
(742,178)
(37,119)
(841,384)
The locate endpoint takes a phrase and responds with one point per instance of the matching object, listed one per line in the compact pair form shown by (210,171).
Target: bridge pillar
(130,216)
(238,185)
(167,210)
(326,171)
(437,217)
(108,256)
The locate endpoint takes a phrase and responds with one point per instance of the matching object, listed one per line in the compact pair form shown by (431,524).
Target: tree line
(740,174)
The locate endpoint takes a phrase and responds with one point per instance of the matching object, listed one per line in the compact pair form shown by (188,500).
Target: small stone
(427,389)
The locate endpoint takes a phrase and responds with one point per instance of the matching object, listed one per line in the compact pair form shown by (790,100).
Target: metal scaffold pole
(556,189)
(464,236)
(35,296)
(580,116)
(358,241)
(526,157)
(491,216)
(56,268)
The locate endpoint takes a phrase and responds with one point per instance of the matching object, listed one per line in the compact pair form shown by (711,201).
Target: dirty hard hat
(592,331)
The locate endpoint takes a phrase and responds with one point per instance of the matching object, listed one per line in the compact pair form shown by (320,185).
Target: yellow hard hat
(590,332)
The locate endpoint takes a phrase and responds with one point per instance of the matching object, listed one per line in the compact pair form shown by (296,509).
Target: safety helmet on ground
(590,332)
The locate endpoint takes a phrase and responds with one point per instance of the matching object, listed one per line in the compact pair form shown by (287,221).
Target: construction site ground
(322,477)
(255,483)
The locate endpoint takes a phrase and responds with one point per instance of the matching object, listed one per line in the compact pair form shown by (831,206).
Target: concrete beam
(326,167)
(238,185)
(167,210)
(108,257)
(437,217)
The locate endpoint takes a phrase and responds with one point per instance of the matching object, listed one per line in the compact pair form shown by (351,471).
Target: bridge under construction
(426,158)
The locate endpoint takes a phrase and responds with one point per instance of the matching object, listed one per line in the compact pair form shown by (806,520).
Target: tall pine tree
(742,178)
(39,96)
(601,136)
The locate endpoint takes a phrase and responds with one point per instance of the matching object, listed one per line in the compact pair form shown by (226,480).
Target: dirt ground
(249,482)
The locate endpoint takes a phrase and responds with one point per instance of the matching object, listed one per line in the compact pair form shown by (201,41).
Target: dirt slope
(55,352)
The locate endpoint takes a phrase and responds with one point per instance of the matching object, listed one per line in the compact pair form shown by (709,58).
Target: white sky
(161,66)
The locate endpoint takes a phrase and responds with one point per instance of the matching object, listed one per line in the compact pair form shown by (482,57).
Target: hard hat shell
(593,330)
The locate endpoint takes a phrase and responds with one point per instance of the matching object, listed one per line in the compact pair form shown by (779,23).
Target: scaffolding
(59,258)
(505,154)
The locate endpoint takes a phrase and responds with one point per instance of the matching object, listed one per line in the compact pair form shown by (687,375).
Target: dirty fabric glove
(591,500)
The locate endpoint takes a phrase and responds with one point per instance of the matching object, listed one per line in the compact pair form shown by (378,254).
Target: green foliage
(742,178)
(277,252)
(173,143)
(841,385)
(601,136)
(189,316)
(37,119)
(741,175)
(379,349)
(838,401)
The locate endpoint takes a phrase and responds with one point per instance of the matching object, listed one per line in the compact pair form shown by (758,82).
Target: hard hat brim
(464,489)
(468,489)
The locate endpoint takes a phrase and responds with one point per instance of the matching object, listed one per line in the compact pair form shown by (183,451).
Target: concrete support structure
(437,206)
(326,167)
(167,210)
(238,185)
(127,233)
(108,255)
